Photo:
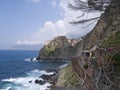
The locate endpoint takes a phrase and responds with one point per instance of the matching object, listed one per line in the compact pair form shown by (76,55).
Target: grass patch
(112,40)
(70,77)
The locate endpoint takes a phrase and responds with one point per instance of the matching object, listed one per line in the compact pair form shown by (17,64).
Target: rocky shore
(52,78)
(65,79)
(47,78)
(60,79)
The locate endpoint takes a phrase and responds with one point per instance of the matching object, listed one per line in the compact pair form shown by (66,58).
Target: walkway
(83,75)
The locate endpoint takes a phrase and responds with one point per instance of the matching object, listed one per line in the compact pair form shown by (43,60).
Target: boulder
(41,82)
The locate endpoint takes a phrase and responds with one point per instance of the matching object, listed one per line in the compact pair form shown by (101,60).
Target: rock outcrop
(108,27)
(104,65)
(58,49)
(99,71)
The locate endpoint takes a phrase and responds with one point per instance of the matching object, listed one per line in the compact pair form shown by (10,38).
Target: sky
(28,24)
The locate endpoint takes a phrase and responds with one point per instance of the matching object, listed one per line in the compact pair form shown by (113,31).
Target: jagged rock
(32,59)
(57,49)
(30,81)
(46,77)
(41,82)
(51,70)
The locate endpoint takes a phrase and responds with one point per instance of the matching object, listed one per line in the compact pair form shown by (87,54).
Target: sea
(18,72)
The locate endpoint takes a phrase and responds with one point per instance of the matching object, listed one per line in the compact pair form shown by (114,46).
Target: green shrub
(86,66)
(50,53)
(116,58)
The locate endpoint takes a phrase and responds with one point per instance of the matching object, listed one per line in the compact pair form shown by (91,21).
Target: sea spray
(28,82)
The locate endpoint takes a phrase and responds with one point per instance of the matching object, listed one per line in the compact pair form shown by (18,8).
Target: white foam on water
(34,59)
(7,88)
(63,66)
(27,59)
(37,73)
(28,82)
(31,86)
(42,72)
(30,59)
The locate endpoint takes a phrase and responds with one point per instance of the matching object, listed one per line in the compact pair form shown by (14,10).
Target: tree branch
(83,21)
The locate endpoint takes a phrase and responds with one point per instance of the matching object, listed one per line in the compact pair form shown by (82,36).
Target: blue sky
(30,23)
(20,18)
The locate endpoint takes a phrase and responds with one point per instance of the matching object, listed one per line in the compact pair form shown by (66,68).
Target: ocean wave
(38,73)
(30,59)
(28,82)
(7,88)
(27,59)
(42,72)
(29,87)
(19,80)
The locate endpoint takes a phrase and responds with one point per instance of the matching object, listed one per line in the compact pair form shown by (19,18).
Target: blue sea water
(16,70)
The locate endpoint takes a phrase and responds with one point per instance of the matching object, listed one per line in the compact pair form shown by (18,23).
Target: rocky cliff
(107,27)
(101,70)
(57,49)
(91,70)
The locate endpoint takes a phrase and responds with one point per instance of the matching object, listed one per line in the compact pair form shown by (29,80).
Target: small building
(72,41)
(48,42)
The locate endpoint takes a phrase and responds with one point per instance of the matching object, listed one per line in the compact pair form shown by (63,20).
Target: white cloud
(34,1)
(50,30)
(54,3)
(26,42)
(27,45)
(47,32)
(60,27)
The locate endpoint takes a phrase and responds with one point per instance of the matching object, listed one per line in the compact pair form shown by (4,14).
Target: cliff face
(108,25)
(101,70)
(106,28)
(57,49)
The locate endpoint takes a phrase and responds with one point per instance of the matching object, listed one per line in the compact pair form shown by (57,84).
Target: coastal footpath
(95,60)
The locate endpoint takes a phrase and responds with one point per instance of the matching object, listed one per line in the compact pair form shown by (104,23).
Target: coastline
(51,78)
(65,79)
(26,73)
